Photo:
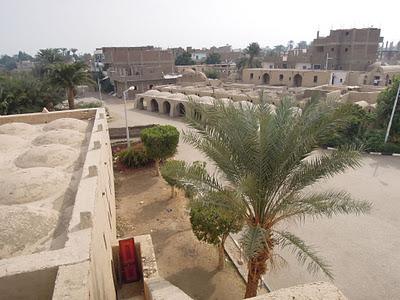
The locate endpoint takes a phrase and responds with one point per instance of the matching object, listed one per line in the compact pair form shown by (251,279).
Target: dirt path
(144,207)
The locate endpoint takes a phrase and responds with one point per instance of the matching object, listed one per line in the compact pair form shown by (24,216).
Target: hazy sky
(30,25)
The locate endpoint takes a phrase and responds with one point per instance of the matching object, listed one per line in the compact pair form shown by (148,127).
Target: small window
(332,49)
(281,77)
(346,49)
(137,73)
(347,33)
(315,79)
(251,75)
(341,80)
(304,67)
(290,78)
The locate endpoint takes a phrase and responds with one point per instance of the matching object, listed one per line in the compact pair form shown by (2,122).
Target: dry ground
(144,207)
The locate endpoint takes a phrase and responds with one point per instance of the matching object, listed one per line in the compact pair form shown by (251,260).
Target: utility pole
(392,115)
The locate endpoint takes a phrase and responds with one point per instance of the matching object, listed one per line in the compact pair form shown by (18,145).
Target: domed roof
(32,184)
(193,97)
(164,95)
(152,92)
(244,104)
(189,71)
(23,229)
(11,143)
(47,156)
(207,99)
(177,96)
(67,123)
(362,103)
(62,136)
(225,100)
(21,129)
(201,75)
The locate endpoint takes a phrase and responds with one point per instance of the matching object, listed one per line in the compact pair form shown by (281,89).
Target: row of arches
(297,79)
(171,108)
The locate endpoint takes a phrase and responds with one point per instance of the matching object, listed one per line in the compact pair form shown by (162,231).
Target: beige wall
(309,78)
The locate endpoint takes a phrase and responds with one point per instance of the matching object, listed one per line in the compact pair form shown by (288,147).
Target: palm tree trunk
(70,96)
(221,253)
(157,164)
(256,268)
(173,193)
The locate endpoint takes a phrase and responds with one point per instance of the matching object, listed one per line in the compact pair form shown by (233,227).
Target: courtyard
(362,250)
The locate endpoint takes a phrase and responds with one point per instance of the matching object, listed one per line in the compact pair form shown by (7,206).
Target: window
(347,33)
(290,78)
(281,77)
(317,67)
(332,49)
(320,48)
(137,74)
(315,79)
(341,80)
(251,75)
(304,67)
(346,49)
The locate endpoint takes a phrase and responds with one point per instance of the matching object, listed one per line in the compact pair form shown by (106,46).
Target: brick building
(142,67)
(346,49)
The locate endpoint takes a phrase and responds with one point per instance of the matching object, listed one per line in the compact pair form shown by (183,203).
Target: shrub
(212,74)
(160,142)
(374,140)
(134,157)
(94,104)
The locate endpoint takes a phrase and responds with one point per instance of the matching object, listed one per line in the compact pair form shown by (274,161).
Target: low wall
(120,133)
(43,118)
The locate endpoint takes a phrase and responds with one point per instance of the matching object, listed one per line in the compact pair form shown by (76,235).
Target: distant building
(287,77)
(142,67)
(346,49)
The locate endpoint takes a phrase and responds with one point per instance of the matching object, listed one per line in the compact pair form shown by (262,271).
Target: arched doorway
(180,108)
(166,107)
(140,103)
(297,80)
(266,78)
(154,105)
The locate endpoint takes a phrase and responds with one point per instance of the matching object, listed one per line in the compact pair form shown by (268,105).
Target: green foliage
(23,93)
(213,58)
(351,130)
(384,109)
(212,74)
(213,219)
(94,104)
(184,59)
(160,141)
(134,157)
(266,158)
(8,63)
(250,60)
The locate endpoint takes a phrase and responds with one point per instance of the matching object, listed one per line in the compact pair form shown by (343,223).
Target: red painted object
(127,257)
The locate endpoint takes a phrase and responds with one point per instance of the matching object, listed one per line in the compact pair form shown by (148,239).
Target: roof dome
(67,123)
(33,184)
(47,156)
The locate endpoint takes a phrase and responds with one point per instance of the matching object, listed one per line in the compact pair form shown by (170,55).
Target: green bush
(211,74)
(160,142)
(94,104)
(374,140)
(134,157)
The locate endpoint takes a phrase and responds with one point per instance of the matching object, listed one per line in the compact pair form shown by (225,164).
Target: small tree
(169,172)
(213,58)
(213,214)
(213,218)
(160,143)
(184,59)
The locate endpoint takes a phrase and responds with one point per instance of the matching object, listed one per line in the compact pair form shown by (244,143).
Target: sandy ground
(144,207)
(363,250)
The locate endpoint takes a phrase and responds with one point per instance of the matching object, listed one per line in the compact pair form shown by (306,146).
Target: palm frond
(253,241)
(304,253)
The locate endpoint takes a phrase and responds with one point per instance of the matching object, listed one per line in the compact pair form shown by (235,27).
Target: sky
(29,25)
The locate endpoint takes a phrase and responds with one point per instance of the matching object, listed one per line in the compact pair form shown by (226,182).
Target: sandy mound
(67,123)
(10,143)
(21,129)
(61,136)
(33,184)
(47,156)
(23,229)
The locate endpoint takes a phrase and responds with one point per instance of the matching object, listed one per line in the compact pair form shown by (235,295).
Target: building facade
(142,67)
(346,49)
(287,77)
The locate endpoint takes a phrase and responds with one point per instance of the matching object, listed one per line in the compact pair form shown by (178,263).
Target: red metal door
(127,256)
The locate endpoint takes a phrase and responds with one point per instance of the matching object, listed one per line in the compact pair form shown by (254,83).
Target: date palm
(268,158)
(69,76)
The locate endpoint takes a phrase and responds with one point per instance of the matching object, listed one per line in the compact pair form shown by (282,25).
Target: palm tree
(267,158)
(68,76)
